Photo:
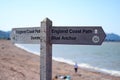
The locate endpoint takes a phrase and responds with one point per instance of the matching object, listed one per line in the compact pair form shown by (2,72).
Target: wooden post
(46,50)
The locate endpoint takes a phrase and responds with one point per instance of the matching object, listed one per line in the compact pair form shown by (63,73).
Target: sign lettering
(61,35)
(77,35)
(26,35)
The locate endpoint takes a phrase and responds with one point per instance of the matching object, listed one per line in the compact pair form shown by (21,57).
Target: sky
(30,13)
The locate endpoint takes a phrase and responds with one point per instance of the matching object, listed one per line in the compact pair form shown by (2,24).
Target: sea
(103,58)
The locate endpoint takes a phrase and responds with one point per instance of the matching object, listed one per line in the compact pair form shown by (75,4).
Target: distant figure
(76,67)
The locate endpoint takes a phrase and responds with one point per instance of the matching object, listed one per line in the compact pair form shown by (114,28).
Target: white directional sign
(26,35)
(83,35)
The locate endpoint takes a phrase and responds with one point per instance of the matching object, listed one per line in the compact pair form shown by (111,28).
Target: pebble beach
(18,64)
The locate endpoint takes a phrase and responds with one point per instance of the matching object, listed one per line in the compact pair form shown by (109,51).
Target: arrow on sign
(26,35)
(84,35)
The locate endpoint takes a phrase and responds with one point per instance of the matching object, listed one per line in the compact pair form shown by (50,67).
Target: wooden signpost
(46,35)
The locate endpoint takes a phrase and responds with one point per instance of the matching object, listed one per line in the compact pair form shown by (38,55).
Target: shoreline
(81,65)
(18,64)
(93,69)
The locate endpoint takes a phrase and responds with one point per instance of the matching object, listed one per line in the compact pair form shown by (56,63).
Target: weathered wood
(46,50)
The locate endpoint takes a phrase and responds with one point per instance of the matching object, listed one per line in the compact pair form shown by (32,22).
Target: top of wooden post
(46,20)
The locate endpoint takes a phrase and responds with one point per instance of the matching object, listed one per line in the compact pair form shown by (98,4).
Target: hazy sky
(29,13)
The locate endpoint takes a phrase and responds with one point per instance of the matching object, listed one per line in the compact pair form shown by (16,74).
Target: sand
(18,64)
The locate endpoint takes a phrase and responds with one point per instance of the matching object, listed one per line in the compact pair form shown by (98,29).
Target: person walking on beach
(76,67)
